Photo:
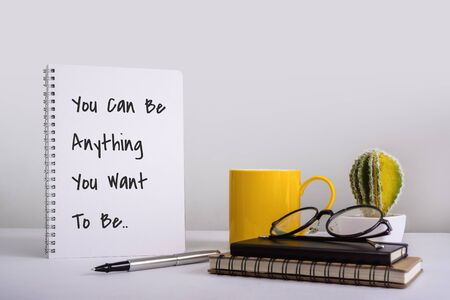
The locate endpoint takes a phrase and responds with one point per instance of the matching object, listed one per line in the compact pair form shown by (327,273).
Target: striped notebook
(399,275)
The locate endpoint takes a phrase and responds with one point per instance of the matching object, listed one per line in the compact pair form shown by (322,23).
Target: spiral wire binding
(49,158)
(309,275)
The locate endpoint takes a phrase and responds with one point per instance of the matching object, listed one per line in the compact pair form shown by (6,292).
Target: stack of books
(320,261)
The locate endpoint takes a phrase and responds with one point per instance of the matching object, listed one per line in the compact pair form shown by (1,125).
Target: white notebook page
(139,179)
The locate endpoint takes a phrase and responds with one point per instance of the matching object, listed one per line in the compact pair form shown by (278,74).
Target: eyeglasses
(300,221)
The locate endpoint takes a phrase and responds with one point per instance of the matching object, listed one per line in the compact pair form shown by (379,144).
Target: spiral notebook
(114,169)
(399,275)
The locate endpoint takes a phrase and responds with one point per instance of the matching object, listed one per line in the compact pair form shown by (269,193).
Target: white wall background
(268,84)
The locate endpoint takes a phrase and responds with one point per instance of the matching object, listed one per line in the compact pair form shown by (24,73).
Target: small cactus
(376,179)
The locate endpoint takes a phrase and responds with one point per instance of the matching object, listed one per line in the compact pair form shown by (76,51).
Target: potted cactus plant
(376,179)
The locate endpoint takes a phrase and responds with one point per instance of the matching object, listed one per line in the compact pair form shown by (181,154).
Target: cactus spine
(376,179)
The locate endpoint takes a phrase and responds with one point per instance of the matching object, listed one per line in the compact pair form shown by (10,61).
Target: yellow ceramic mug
(259,197)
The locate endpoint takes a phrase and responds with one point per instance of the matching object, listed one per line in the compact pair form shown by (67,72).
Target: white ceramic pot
(355,224)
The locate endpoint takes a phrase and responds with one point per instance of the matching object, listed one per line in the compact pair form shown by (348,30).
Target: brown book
(399,275)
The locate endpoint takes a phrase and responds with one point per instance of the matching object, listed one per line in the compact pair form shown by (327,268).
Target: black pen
(154,262)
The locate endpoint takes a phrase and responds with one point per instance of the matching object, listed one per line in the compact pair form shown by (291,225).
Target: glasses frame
(319,214)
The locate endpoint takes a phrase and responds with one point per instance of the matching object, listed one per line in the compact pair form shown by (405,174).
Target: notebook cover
(345,252)
(225,264)
(316,279)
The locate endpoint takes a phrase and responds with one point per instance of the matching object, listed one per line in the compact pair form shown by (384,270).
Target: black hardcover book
(321,250)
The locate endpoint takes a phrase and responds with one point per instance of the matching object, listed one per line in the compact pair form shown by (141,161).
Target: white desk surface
(26,274)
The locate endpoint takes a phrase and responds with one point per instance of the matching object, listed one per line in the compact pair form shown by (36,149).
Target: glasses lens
(354,221)
(293,221)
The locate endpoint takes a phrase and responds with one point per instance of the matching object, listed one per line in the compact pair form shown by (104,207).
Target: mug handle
(327,181)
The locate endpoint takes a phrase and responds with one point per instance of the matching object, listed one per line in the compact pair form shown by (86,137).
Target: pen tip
(103,268)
